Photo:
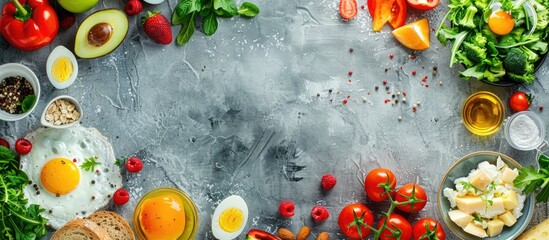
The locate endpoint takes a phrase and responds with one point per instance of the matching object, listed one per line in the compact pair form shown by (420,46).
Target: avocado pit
(100,34)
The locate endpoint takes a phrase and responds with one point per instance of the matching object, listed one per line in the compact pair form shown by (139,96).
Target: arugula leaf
(248,9)
(529,179)
(89,164)
(210,24)
(28,102)
(187,30)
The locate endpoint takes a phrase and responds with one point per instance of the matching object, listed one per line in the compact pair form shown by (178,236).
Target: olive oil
(483,113)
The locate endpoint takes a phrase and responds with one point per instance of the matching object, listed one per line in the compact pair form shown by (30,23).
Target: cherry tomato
(348,9)
(519,101)
(134,164)
(23,146)
(352,219)
(428,229)
(423,4)
(397,228)
(383,11)
(121,197)
(376,181)
(411,192)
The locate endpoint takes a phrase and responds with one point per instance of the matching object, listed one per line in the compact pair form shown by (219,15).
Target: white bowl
(153,1)
(77,106)
(16,69)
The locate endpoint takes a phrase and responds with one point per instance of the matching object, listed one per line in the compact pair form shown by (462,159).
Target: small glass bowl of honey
(483,113)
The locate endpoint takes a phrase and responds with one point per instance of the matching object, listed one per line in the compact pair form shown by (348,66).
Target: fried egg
(72,172)
(229,218)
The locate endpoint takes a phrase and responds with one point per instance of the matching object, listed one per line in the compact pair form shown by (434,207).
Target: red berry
(286,209)
(134,164)
(328,181)
(134,7)
(157,27)
(121,197)
(23,146)
(67,20)
(4,143)
(319,214)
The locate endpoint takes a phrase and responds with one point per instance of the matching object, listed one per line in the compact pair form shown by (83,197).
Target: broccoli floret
(492,50)
(490,36)
(482,4)
(460,56)
(516,61)
(495,70)
(526,78)
(479,39)
(531,55)
(473,52)
(468,20)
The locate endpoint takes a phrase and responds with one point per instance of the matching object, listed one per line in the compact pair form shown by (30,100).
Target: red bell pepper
(383,11)
(256,234)
(28,24)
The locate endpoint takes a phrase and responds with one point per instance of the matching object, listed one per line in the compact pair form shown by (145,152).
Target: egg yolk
(60,176)
(62,69)
(162,217)
(501,22)
(231,219)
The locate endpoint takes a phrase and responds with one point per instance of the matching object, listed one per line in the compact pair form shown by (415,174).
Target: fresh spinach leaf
(187,30)
(184,7)
(225,8)
(248,9)
(28,102)
(210,24)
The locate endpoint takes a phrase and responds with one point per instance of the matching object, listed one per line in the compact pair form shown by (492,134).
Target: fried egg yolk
(231,219)
(60,176)
(62,69)
(163,217)
(501,22)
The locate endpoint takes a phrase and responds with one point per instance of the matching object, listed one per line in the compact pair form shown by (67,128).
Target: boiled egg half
(500,22)
(61,67)
(229,218)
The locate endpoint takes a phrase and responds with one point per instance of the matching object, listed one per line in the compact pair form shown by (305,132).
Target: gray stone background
(248,110)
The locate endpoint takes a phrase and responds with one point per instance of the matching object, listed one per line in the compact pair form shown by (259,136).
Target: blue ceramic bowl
(461,169)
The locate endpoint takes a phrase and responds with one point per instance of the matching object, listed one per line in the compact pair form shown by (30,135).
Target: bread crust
(81,229)
(116,226)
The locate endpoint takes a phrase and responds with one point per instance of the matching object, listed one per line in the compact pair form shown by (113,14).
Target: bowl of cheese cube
(477,198)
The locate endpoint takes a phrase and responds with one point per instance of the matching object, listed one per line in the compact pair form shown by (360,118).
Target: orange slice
(415,35)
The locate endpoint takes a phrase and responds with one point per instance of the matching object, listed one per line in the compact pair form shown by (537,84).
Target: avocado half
(100,33)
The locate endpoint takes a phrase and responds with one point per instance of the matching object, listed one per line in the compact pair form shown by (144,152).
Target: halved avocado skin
(81,34)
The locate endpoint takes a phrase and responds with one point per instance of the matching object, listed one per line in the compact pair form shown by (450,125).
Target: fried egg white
(58,181)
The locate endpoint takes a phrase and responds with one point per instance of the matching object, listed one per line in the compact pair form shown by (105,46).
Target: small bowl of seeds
(61,112)
(19,91)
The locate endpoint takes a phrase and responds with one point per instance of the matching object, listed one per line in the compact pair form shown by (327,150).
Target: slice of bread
(115,225)
(81,229)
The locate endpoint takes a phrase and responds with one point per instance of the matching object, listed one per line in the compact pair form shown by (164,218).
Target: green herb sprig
(188,11)
(89,164)
(530,179)
(17,220)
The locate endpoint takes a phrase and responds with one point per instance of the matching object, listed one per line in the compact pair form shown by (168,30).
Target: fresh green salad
(18,220)
(496,38)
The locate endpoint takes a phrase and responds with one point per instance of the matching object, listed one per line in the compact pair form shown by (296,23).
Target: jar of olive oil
(483,113)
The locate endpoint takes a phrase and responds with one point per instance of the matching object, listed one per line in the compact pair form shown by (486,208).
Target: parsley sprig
(89,164)
(530,179)
(17,220)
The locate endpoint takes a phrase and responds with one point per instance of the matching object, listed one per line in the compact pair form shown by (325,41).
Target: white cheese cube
(470,204)
(538,232)
(508,175)
(481,180)
(493,207)
(495,227)
(510,200)
(508,218)
(475,230)
(460,218)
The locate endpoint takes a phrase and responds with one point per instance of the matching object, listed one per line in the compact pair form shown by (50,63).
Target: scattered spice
(391,56)
(384,82)
(399,118)
(318,94)
(350,73)
(403,99)
(345,101)
(412,57)
(386,87)
(540,108)
(330,91)
(414,72)
(351,50)
(13,92)
(386,69)
(376,87)
(424,79)
(404,94)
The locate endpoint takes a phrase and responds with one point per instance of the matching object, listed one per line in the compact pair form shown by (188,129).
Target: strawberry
(348,9)
(133,7)
(328,182)
(157,27)
(319,214)
(286,209)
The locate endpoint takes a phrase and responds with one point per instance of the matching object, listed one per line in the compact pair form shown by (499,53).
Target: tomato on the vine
(423,4)
(519,101)
(352,220)
(397,228)
(378,182)
(428,229)
(414,193)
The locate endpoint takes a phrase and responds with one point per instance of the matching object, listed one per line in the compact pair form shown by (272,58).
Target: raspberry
(134,164)
(328,182)
(121,197)
(286,209)
(23,146)
(4,143)
(319,214)
(133,7)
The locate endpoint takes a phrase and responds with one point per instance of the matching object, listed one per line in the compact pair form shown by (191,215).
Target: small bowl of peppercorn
(19,91)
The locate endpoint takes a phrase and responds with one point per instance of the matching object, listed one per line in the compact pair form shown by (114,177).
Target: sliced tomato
(423,4)
(396,15)
(348,9)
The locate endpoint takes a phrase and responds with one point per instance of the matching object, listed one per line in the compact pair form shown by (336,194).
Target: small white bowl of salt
(525,131)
